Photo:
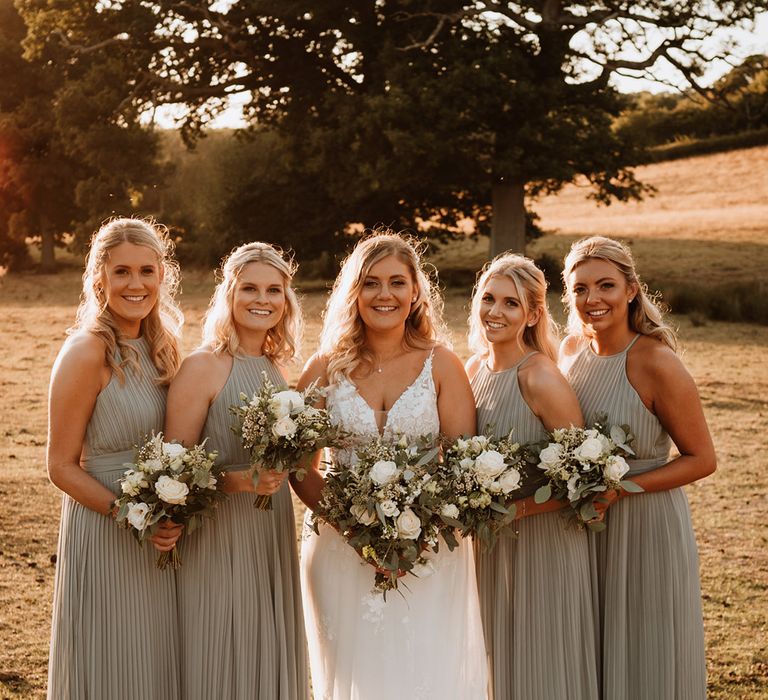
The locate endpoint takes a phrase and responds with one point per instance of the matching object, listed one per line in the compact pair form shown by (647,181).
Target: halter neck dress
(242,627)
(645,563)
(535,590)
(115,628)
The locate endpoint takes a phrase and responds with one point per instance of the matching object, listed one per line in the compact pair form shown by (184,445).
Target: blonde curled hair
(282,342)
(342,339)
(646,314)
(162,326)
(531,287)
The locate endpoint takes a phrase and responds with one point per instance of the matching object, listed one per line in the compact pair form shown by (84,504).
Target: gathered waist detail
(109,462)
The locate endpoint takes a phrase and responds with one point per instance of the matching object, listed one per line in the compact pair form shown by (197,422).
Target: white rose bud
(285,427)
(173,450)
(489,464)
(478,442)
(383,471)
(551,455)
(389,508)
(509,480)
(137,515)
(615,468)
(494,487)
(589,450)
(150,466)
(449,510)
(408,525)
(362,515)
(467,463)
(462,444)
(171,491)
(133,482)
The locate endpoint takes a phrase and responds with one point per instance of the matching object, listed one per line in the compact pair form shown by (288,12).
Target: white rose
(408,525)
(150,466)
(171,491)
(509,480)
(173,450)
(389,508)
(284,403)
(285,427)
(589,450)
(383,471)
(423,568)
(449,510)
(550,455)
(489,464)
(362,515)
(133,482)
(137,515)
(615,468)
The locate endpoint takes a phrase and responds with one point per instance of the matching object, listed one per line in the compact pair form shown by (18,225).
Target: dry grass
(727,360)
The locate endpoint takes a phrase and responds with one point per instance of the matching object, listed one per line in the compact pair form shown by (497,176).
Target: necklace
(379,363)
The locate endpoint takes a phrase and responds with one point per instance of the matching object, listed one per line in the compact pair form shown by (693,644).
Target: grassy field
(705,234)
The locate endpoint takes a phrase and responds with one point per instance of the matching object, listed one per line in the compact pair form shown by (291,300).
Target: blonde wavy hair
(282,343)
(342,339)
(646,313)
(531,287)
(162,326)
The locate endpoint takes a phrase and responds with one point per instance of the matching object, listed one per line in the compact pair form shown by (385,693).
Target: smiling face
(387,294)
(258,300)
(503,316)
(600,294)
(130,280)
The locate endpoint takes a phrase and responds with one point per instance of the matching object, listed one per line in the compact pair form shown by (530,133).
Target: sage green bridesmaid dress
(241,620)
(115,627)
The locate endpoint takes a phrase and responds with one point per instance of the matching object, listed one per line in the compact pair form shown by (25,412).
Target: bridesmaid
(620,359)
(534,590)
(241,623)
(114,630)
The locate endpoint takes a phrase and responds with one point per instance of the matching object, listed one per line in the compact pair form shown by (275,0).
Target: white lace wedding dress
(426,644)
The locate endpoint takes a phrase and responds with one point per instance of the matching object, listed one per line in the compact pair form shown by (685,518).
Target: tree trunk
(47,252)
(508,222)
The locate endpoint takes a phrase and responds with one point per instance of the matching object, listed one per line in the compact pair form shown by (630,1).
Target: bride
(387,373)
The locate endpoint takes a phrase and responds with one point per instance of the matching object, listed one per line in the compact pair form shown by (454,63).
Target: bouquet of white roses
(387,506)
(279,428)
(583,463)
(168,480)
(484,475)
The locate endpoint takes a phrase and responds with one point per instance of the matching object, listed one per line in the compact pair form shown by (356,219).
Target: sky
(754,41)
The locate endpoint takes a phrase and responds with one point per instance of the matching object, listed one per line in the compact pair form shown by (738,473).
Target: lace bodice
(413,414)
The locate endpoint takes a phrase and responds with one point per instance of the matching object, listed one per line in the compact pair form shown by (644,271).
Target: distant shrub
(686,148)
(552,267)
(733,301)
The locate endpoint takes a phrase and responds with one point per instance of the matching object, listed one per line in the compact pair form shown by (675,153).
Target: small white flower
(383,472)
(589,450)
(137,515)
(462,444)
(171,491)
(489,464)
(408,525)
(177,465)
(389,508)
(285,427)
(362,515)
(509,480)
(150,466)
(133,482)
(449,510)
(494,487)
(478,442)
(173,450)
(615,468)
(551,455)
(467,463)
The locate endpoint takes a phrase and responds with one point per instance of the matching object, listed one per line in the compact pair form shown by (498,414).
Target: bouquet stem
(263,502)
(173,558)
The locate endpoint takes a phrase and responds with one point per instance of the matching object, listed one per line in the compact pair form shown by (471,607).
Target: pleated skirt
(538,617)
(648,600)
(241,621)
(115,628)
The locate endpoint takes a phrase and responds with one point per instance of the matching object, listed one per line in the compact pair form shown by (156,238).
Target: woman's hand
(605,501)
(269,482)
(166,536)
